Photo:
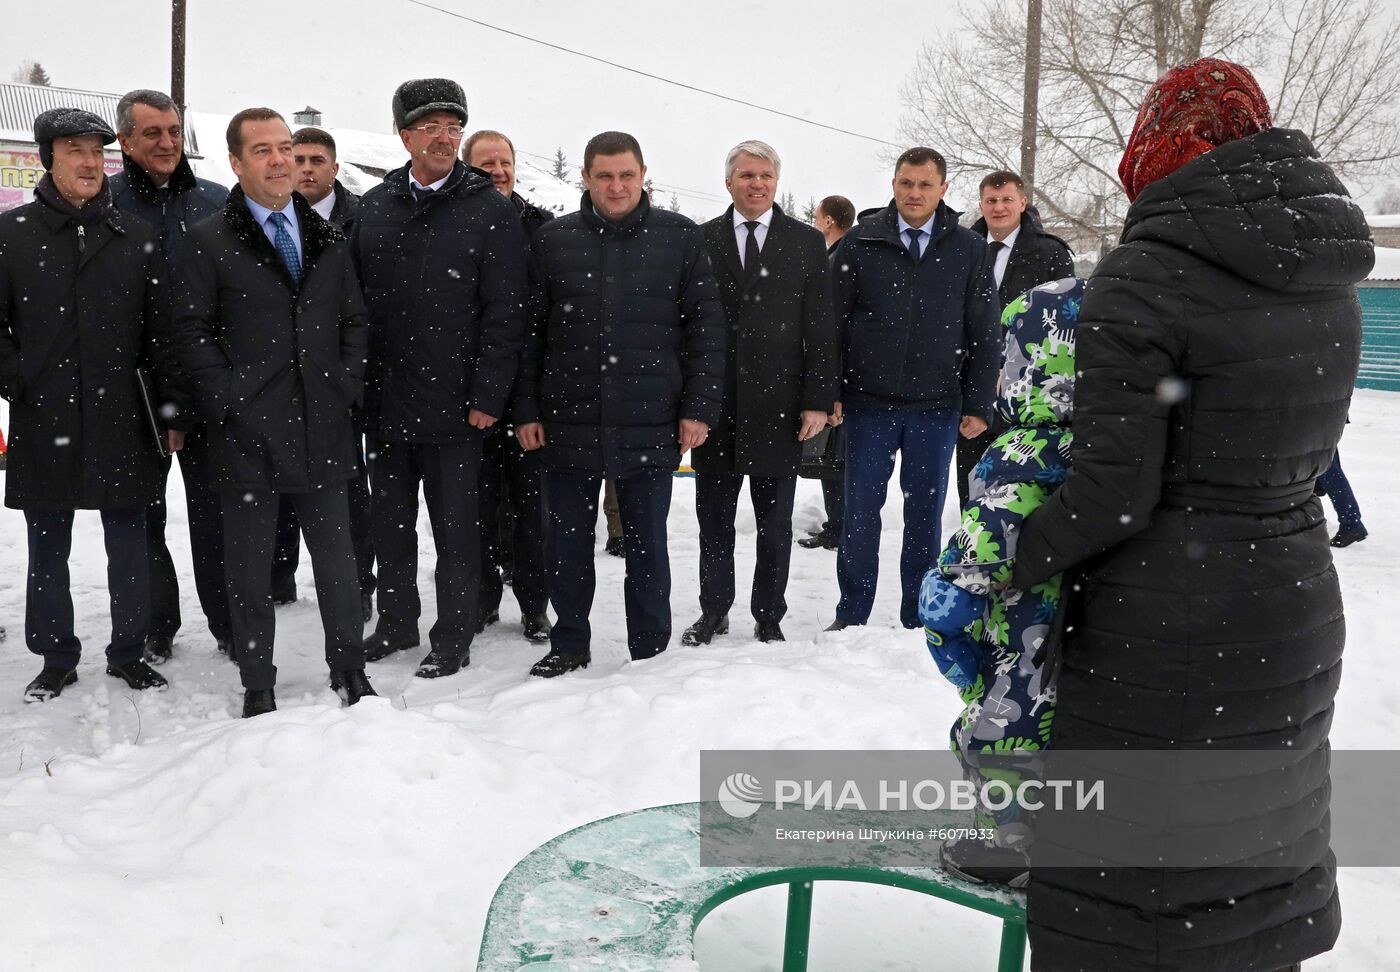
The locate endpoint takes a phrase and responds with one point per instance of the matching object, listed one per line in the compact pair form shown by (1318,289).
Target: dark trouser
(644,500)
(1333,484)
(924,440)
(512,479)
(834,499)
(287,554)
(250,527)
(450,475)
(716,501)
(48,603)
(970,451)
(205,514)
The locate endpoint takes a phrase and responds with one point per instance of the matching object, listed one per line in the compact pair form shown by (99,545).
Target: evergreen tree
(674,205)
(809,211)
(31,72)
(648,188)
(561,165)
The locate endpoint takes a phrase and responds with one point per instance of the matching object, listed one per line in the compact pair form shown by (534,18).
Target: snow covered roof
(1392,219)
(20,104)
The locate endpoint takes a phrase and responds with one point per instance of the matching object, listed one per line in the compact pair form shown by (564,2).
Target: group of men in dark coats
(443,307)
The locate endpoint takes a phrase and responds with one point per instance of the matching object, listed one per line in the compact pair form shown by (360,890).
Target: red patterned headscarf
(1192,109)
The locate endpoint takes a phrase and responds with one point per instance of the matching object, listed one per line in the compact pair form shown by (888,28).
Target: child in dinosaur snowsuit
(983,636)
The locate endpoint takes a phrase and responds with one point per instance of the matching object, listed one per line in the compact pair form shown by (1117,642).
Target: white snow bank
(1387,264)
(165,833)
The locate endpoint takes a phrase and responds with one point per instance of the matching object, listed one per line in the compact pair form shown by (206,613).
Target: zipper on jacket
(82,238)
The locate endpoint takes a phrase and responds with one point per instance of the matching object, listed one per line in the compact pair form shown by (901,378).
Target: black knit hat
(414,99)
(67,123)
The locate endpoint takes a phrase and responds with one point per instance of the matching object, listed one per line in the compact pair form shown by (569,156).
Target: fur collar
(316,233)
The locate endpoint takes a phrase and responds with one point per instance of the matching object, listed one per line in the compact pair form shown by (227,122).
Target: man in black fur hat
(442,257)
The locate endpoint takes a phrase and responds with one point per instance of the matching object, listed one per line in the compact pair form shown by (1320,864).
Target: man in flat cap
(82,306)
(442,257)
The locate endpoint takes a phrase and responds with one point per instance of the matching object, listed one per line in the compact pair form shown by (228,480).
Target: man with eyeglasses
(442,257)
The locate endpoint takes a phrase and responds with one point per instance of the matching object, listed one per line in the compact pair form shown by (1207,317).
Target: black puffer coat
(77,317)
(627,339)
(1217,349)
(782,353)
(277,367)
(446,286)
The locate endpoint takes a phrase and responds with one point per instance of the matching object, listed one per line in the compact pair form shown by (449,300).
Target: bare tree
(31,72)
(1388,202)
(1324,63)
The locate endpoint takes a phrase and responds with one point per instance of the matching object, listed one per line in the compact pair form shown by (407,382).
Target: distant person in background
(779,388)
(314,171)
(1334,485)
(158,187)
(83,304)
(623,373)
(444,262)
(1023,256)
(512,480)
(615,545)
(834,215)
(273,329)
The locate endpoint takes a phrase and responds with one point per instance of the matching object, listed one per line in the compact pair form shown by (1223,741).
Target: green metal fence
(1380,343)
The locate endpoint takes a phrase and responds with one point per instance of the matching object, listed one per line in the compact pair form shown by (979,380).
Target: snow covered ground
(159,831)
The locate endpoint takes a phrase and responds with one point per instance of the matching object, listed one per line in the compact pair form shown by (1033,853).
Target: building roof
(20,104)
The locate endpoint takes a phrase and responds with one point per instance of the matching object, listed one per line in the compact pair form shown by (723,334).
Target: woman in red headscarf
(1218,345)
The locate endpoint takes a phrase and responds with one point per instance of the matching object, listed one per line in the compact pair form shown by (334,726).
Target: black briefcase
(823,455)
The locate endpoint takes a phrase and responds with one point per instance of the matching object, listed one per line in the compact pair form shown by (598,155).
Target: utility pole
(1030,106)
(177,54)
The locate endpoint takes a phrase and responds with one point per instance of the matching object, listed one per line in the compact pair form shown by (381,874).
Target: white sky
(836,62)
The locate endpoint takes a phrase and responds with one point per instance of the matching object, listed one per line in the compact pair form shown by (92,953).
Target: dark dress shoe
(485,618)
(537,628)
(982,862)
(138,675)
(352,685)
(225,647)
(380,646)
(615,548)
(822,540)
(768,631)
(555,664)
(1345,538)
(840,625)
(366,607)
(49,684)
(258,702)
(704,630)
(158,649)
(439,664)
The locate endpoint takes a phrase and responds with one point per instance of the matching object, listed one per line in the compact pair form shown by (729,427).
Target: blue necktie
(282,239)
(914,235)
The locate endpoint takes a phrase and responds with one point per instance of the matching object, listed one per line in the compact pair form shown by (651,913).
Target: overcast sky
(840,63)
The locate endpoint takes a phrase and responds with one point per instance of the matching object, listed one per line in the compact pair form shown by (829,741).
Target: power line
(654,77)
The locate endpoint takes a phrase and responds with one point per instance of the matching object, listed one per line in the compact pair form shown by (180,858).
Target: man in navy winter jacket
(917,311)
(158,187)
